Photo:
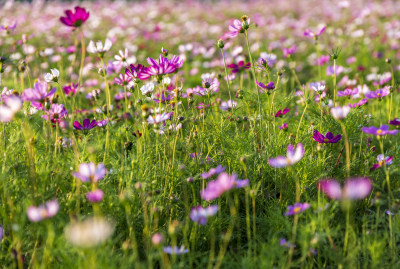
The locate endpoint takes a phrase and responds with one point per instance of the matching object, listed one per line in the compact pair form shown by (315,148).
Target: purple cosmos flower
(38,93)
(135,72)
(310,33)
(354,188)
(45,211)
(270,86)
(200,215)
(223,183)
(378,93)
(330,70)
(359,103)
(347,92)
(284,243)
(280,113)
(70,89)
(289,51)
(103,122)
(95,196)
(293,156)
(213,171)
(90,172)
(175,250)
(395,122)
(296,208)
(123,79)
(235,28)
(382,160)
(339,112)
(160,68)
(75,19)
(284,127)
(57,112)
(8,27)
(237,68)
(228,105)
(328,138)
(383,130)
(86,124)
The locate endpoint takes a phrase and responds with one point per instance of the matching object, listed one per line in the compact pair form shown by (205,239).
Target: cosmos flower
(121,96)
(296,208)
(395,122)
(359,103)
(95,196)
(347,92)
(378,93)
(103,122)
(86,124)
(200,215)
(211,85)
(158,118)
(383,130)
(160,68)
(123,79)
(339,112)
(235,28)
(135,72)
(382,160)
(310,33)
(156,239)
(70,89)
(147,88)
(293,156)
(8,27)
(239,67)
(323,60)
(317,86)
(213,171)
(38,93)
(228,105)
(1,233)
(75,19)
(122,58)
(90,172)
(280,113)
(270,86)
(12,104)
(289,51)
(98,47)
(223,183)
(88,233)
(175,250)
(45,211)
(328,138)
(354,188)
(56,113)
(284,243)
(284,126)
(52,76)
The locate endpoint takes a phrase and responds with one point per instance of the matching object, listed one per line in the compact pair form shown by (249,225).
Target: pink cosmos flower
(95,196)
(289,51)
(310,33)
(228,105)
(75,19)
(382,160)
(293,156)
(90,172)
(280,113)
(56,113)
(12,104)
(354,188)
(45,211)
(359,103)
(235,28)
(86,124)
(223,183)
(347,92)
(284,127)
(239,67)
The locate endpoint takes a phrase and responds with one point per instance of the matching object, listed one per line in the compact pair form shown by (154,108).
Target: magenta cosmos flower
(378,93)
(200,215)
(57,112)
(310,33)
(223,183)
(289,51)
(354,188)
(239,67)
(359,103)
(284,127)
(296,208)
(383,130)
(90,172)
(135,72)
(328,138)
(382,160)
(75,19)
(280,113)
(45,211)
(70,89)
(95,196)
(293,156)
(86,124)
(213,171)
(347,92)
(270,86)
(162,67)
(38,93)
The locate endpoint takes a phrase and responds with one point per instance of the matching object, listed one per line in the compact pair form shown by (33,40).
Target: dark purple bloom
(70,89)
(378,93)
(163,98)
(213,171)
(383,130)
(95,196)
(382,160)
(359,103)
(296,208)
(86,124)
(237,68)
(75,19)
(354,188)
(328,138)
(289,51)
(223,183)
(395,122)
(280,113)
(270,86)
(200,215)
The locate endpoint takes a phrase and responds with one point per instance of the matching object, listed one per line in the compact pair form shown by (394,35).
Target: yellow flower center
(379,94)
(379,131)
(326,140)
(297,209)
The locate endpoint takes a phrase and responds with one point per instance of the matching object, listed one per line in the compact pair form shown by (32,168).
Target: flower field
(200,134)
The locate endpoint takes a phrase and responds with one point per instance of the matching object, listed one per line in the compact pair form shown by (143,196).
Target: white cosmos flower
(147,88)
(340,112)
(53,76)
(98,47)
(158,118)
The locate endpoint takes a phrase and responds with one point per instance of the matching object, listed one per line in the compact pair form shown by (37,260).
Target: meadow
(199,134)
